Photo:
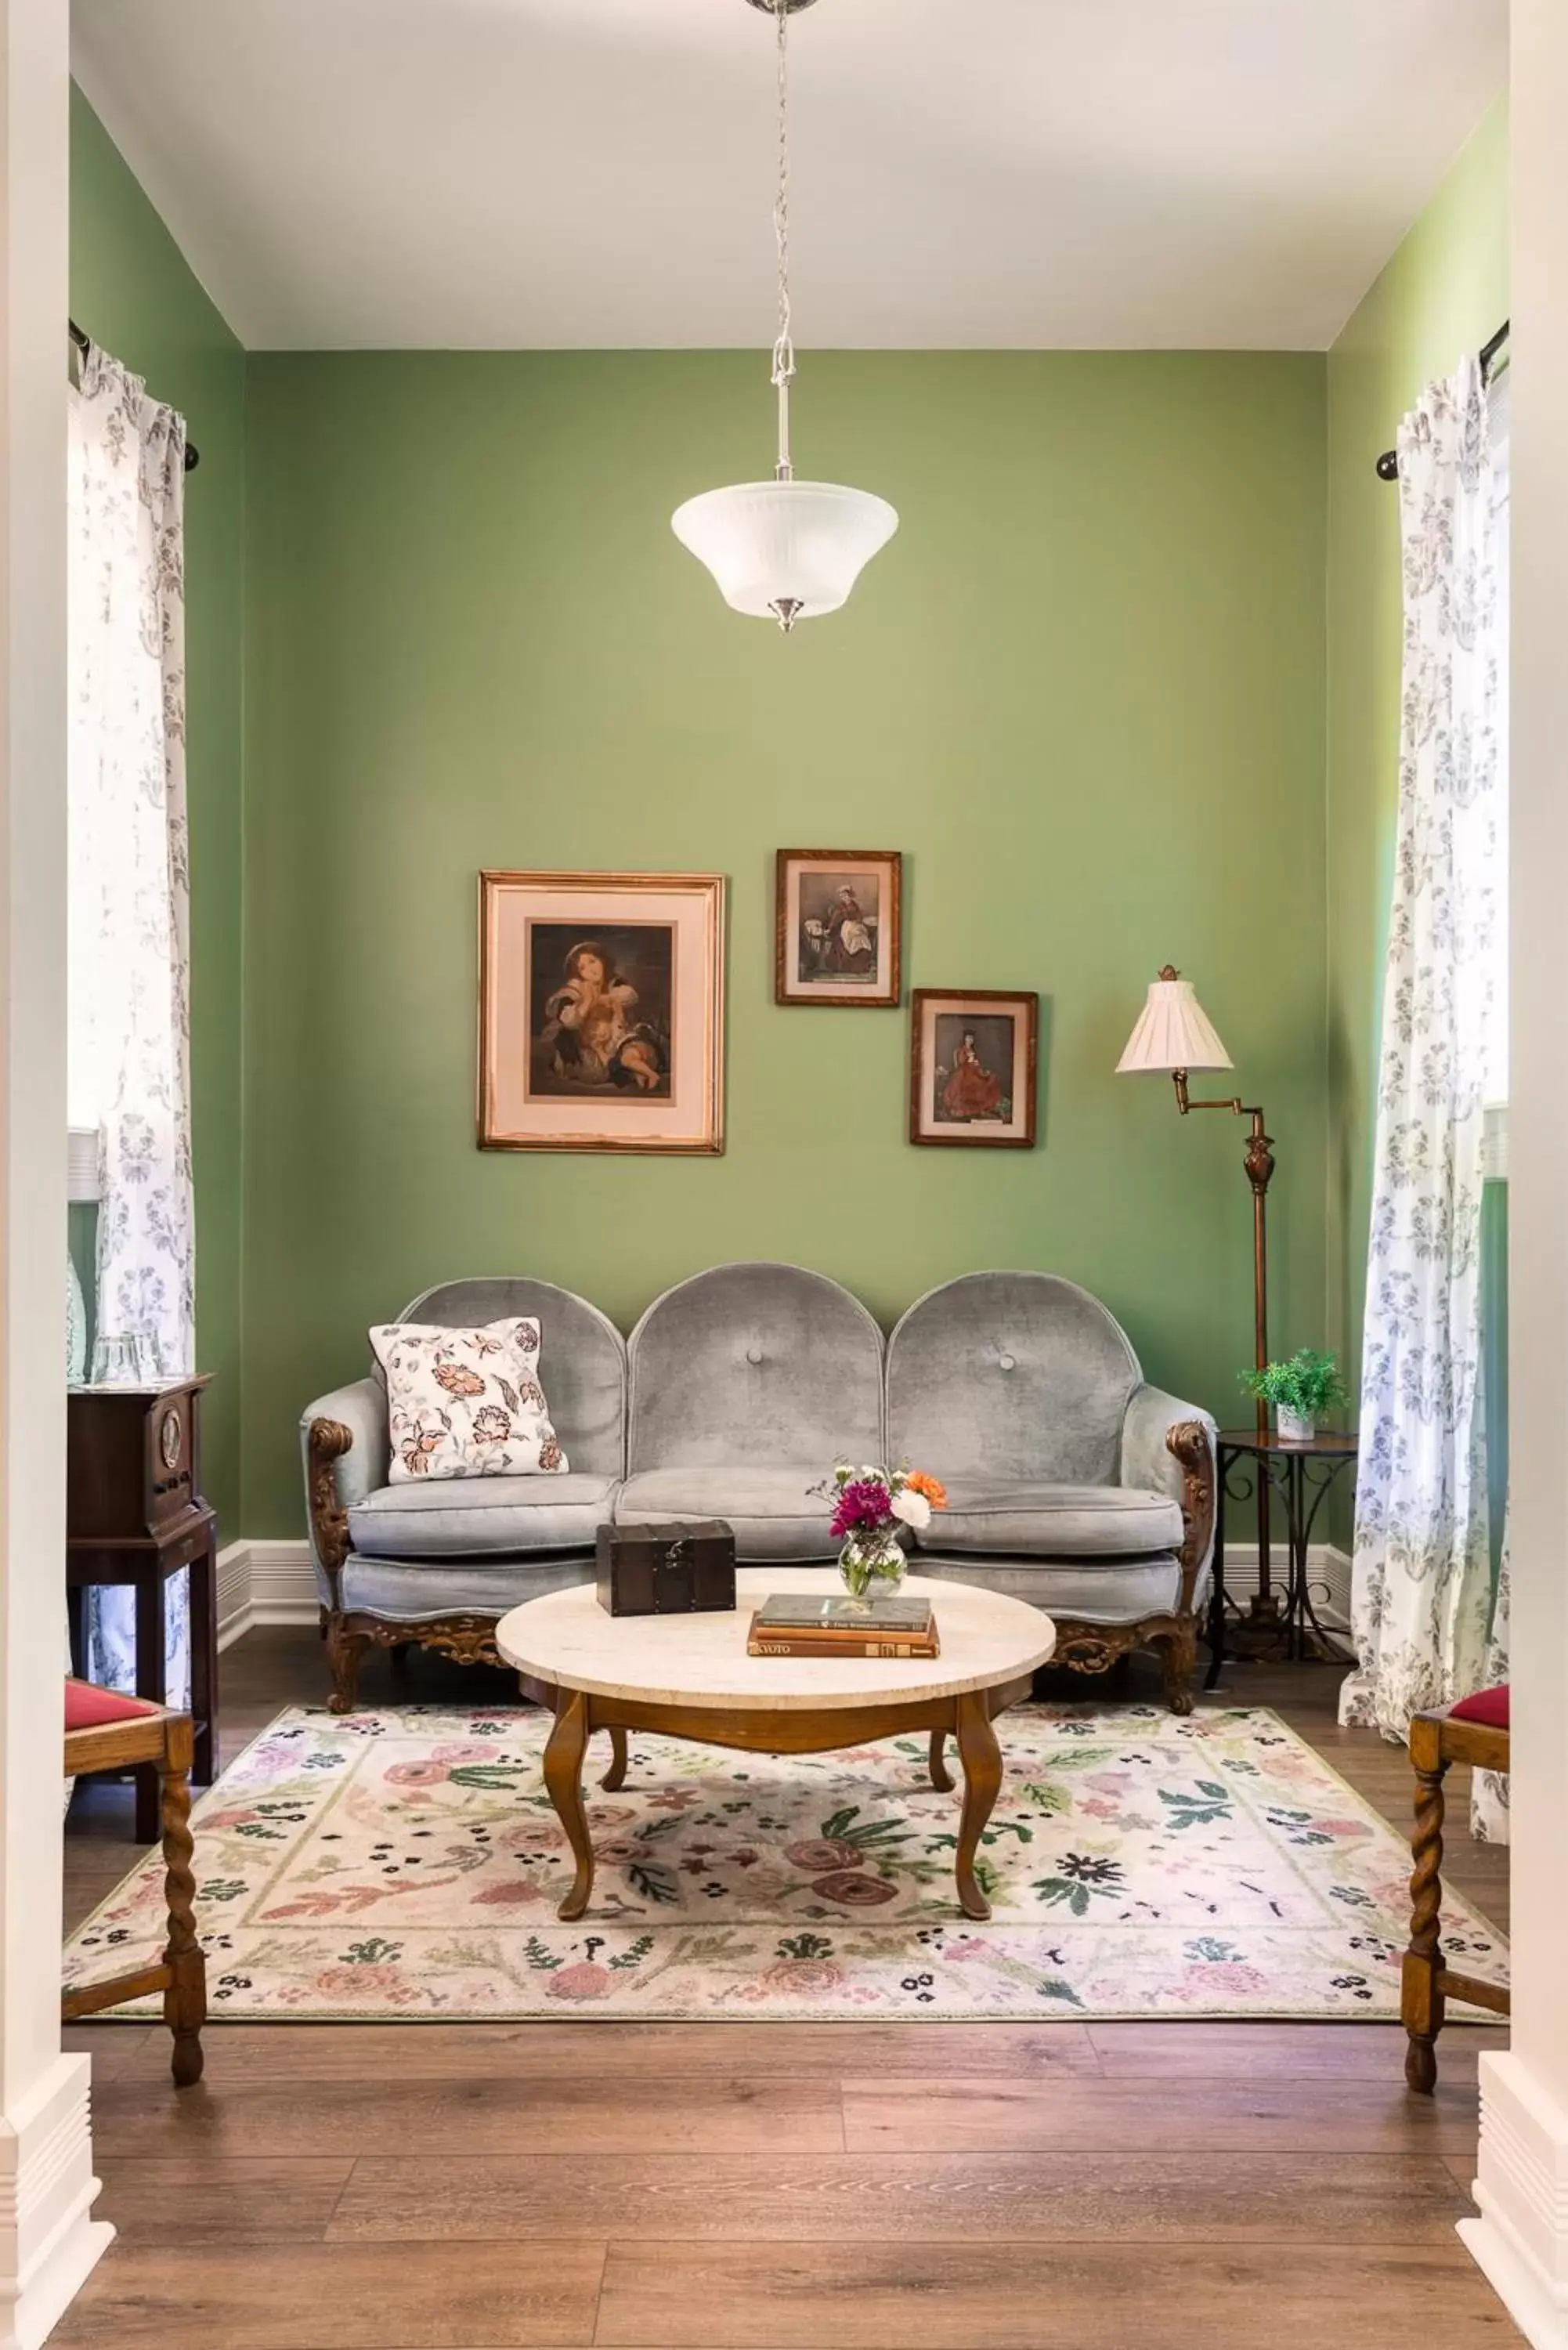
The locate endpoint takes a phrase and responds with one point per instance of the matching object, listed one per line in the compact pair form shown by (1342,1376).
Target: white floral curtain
(1421,1600)
(129,904)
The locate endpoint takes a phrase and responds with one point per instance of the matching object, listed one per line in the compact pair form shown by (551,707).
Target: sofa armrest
(1168,1447)
(347,1452)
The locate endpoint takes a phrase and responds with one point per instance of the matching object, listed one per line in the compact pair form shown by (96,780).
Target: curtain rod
(1388,464)
(193,454)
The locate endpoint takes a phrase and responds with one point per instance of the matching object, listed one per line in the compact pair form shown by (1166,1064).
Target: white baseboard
(273,1582)
(233,1592)
(49,2240)
(1521,2239)
(263,1582)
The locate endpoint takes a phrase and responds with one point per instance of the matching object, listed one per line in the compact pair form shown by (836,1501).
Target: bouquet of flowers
(869,1506)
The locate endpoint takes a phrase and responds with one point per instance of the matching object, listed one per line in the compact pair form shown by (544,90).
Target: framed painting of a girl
(835,926)
(601,1011)
(972,1054)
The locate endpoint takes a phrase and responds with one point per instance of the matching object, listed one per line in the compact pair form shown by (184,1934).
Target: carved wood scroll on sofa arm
(1168,1447)
(1190,1444)
(329,1440)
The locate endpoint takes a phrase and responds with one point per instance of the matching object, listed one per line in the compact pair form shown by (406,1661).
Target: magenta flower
(863,1504)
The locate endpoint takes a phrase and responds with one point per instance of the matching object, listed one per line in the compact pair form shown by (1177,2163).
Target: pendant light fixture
(784,549)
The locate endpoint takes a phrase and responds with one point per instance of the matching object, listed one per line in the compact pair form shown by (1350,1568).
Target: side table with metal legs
(1301,1474)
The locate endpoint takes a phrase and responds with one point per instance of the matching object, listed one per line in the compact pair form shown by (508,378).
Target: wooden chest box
(675,1567)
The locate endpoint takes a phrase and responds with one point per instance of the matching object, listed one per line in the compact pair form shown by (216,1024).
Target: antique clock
(135,1515)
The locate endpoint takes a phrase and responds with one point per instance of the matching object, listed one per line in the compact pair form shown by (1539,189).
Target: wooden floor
(779,2187)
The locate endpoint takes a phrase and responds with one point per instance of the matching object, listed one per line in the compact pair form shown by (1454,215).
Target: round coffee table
(690,1677)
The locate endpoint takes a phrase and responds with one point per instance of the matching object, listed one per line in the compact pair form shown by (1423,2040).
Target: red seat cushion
(86,1705)
(1488,1706)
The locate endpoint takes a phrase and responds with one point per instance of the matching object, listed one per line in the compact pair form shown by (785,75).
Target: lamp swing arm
(1259,1165)
(1260,1145)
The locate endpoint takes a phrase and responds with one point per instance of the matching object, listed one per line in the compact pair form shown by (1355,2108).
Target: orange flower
(935,1491)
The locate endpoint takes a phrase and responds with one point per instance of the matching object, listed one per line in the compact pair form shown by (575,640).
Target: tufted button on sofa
(747,1383)
(1071,1482)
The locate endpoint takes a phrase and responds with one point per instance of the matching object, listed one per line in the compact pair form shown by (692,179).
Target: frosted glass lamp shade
(786,551)
(1173,1032)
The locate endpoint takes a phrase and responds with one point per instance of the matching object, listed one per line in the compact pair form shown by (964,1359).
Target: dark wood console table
(135,1515)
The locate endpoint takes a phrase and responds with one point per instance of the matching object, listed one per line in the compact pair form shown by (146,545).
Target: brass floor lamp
(1173,1036)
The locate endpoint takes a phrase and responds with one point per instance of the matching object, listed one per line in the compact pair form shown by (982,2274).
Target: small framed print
(972,1056)
(601,1011)
(837,926)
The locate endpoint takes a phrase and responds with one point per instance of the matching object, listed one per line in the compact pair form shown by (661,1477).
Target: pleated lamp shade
(1173,1032)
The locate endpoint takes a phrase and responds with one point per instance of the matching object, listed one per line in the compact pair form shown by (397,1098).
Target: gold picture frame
(601,1011)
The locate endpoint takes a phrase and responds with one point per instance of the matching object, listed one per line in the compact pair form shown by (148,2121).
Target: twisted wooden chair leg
(1421,1998)
(185,2000)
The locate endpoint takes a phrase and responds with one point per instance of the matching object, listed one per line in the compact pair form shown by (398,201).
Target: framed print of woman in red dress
(973,1053)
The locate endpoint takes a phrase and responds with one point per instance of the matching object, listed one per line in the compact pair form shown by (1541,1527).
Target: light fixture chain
(783,346)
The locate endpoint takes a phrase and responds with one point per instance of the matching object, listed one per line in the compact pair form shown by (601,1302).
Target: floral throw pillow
(466,1403)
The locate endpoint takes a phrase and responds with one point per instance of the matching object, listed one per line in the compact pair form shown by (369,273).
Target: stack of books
(799,1624)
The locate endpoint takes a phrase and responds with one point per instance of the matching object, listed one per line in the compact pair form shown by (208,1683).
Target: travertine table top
(569,1640)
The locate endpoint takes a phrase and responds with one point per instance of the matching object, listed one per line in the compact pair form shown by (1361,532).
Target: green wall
(133,293)
(1444,292)
(1083,692)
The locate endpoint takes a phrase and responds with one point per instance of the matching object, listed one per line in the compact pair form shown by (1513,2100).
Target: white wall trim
(272,1581)
(1520,2239)
(233,1592)
(48,2240)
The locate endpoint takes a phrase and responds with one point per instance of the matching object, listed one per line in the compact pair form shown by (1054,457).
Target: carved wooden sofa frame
(470,1638)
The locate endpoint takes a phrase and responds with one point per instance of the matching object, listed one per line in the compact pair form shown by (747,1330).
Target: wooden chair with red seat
(1474,1731)
(107,1732)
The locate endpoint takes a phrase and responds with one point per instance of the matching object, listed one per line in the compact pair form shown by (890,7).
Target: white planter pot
(1292,1427)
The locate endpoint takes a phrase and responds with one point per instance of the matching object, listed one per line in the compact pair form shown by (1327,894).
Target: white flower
(913,1508)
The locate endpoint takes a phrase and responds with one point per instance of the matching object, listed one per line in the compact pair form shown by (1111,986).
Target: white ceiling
(566,174)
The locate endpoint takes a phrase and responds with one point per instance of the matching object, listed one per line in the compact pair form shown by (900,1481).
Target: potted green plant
(1303,1390)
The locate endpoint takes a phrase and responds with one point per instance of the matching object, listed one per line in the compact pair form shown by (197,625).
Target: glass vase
(871,1566)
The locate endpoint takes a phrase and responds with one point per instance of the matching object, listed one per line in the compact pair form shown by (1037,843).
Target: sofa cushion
(481,1517)
(1097,1591)
(773,1511)
(407,1591)
(1009,1373)
(763,1363)
(1002,1516)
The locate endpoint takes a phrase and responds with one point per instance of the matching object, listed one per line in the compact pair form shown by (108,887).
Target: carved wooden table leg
(564,1751)
(981,1759)
(185,2000)
(1421,2002)
(345,1651)
(615,1777)
(941,1777)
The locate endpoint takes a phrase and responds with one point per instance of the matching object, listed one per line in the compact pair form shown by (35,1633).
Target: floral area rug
(408,1865)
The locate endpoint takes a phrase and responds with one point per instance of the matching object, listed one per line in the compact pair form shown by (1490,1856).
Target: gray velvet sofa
(1071,1482)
